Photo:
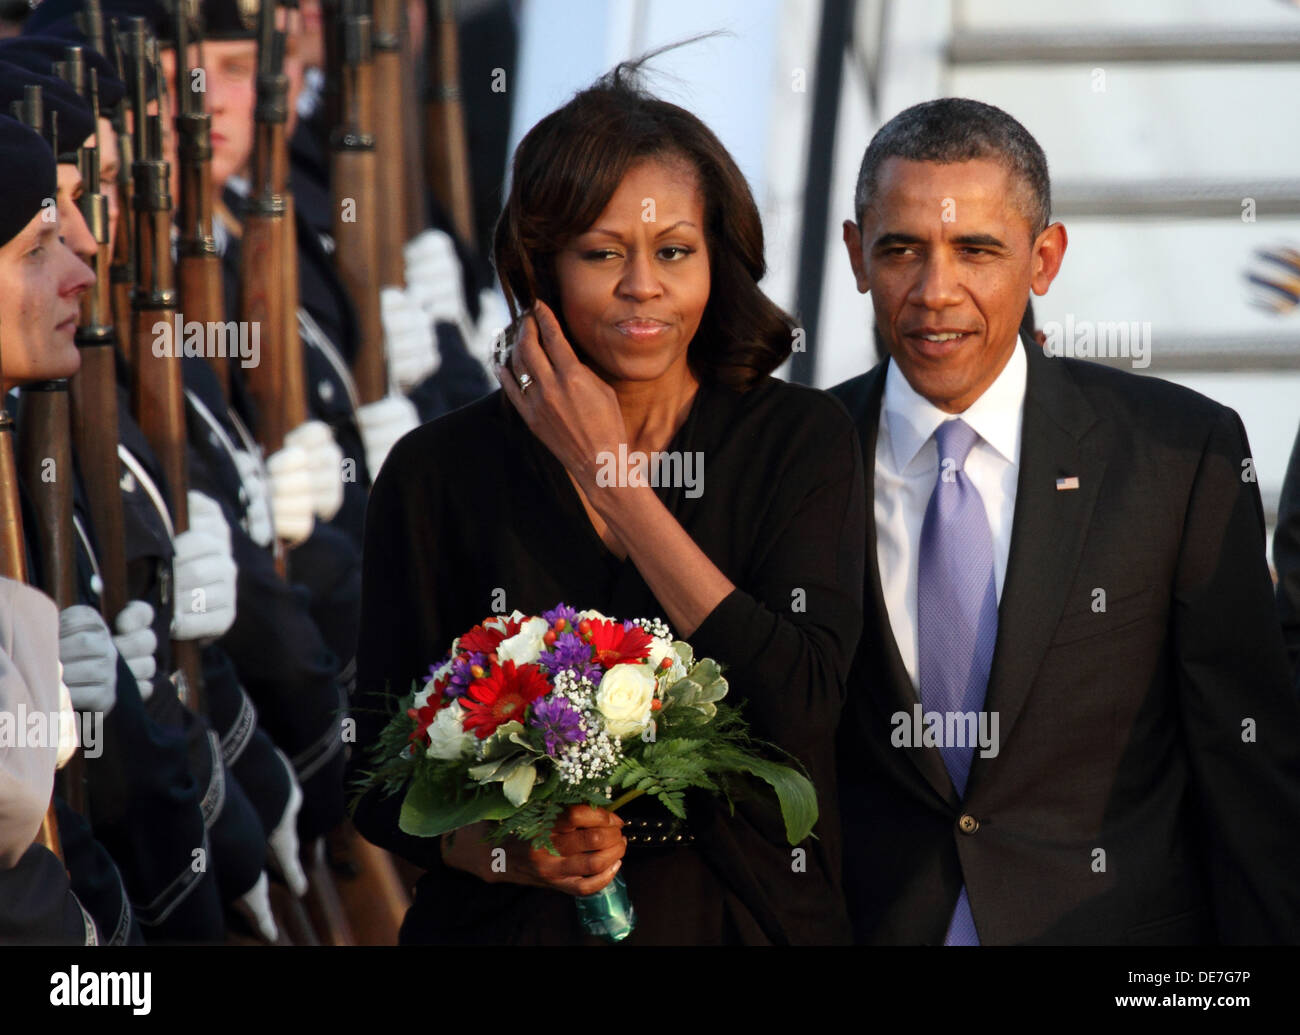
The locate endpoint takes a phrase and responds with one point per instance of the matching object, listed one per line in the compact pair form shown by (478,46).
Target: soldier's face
(634,286)
(110,168)
(41,284)
(231,72)
(76,234)
(949,258)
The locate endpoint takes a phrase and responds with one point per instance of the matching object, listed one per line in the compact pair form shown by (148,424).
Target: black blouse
(472,513)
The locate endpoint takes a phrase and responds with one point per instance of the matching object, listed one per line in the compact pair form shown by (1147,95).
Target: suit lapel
(898,694)
(1047,536)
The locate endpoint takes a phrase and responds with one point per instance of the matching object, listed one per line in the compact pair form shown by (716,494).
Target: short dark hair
(568,167)
(958,129)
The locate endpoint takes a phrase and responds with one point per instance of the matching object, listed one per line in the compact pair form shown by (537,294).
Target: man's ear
(853,243)
(1049,253)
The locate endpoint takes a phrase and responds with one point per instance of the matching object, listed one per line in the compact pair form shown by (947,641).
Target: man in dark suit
(1070,718)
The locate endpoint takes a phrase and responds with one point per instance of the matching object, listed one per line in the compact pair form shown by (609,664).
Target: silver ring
(525,382)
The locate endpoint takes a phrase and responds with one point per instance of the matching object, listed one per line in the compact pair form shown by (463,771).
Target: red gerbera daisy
(615,645)
(486,638)
(503,694)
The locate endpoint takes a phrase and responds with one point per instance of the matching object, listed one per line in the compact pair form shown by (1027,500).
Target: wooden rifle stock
(446,151)
(390,144)
(277,382)
(122,271)
(94,388)
(157,389)
(198,264)
(354,178)
(413,186)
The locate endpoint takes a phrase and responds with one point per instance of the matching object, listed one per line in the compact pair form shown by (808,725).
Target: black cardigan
(473,505)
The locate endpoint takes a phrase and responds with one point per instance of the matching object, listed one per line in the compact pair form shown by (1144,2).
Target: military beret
(27,176)
(39,53)
(221,19)
(67,120)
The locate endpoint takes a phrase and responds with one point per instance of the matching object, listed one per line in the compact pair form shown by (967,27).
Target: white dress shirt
(907,468)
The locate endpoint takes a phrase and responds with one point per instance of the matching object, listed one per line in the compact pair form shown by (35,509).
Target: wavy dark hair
(568,167)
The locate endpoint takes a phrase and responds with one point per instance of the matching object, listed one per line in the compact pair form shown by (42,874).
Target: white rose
(592,616)
(447,736)
(525,646)
(624,698)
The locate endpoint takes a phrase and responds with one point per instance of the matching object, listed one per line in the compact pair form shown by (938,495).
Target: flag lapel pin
(1066,484)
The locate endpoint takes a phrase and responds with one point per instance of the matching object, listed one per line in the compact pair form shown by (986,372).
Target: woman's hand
(590,842)
(567,406)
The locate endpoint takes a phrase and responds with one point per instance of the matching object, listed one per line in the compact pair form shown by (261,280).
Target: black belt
(657,833)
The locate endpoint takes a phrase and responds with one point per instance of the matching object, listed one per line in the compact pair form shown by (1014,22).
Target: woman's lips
(641,330)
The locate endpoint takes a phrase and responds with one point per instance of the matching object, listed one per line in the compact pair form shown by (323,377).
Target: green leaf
(519,784)
(496,770)
(426,814)
(793,790)
(501,742)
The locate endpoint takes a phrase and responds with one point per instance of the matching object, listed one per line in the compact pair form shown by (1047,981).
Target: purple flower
(561,611)
(559,722)
(461,676)
(571,652)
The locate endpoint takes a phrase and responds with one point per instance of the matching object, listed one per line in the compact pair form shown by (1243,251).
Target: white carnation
(526,645)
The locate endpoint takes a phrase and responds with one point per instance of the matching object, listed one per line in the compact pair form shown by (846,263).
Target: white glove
(291,499)
(137,643)
(409,341)
(283,840)
(325,463)
(433,277)
(255,905)
(204,573)
(382,423)
(257,512)
(89,659)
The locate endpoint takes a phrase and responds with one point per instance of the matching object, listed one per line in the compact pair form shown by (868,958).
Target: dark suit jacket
(1147,785)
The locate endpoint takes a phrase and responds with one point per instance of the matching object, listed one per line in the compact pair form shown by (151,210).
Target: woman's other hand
(590,842)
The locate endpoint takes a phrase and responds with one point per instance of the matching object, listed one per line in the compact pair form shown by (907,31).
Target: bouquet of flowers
(527,715)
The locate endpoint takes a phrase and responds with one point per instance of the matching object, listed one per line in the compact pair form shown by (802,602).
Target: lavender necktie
(957,614)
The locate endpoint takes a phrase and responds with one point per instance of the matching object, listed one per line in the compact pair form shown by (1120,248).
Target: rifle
(447,154)
(413,186)
(94,387)
(277,383)
(390,143)
(13,547)
(198,265)
(157,392)
(354,179)
(122,272)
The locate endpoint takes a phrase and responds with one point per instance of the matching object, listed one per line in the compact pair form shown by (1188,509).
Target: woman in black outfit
(632,248)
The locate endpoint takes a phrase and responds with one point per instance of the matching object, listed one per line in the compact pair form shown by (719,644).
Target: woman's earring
(501,348)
